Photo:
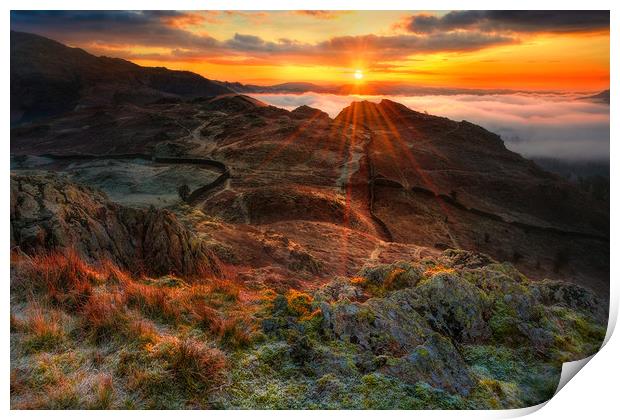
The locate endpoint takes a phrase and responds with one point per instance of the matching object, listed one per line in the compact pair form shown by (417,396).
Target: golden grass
(64,278)
(157,330)
(43,328)
(438,269)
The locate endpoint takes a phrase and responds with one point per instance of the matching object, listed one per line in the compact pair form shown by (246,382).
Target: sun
(358,75)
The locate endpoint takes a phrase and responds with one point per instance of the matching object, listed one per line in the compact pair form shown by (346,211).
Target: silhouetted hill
(602,97)
(49,78)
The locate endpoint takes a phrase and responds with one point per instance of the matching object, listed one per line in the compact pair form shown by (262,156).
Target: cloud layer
(534,125)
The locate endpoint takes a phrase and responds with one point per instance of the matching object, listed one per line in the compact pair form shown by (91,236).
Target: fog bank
(534,125)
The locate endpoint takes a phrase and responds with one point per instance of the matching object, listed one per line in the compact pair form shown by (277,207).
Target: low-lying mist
(559,126)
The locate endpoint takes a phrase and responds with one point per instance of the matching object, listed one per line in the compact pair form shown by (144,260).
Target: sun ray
(417,168)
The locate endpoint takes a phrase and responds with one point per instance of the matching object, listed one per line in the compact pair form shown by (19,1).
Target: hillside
(213,251)
(49,78)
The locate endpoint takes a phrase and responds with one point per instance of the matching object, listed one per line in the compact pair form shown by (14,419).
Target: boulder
(454,307)
(48,213)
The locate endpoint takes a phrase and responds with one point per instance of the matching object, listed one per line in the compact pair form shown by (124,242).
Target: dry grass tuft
(64,278)
(104,315)
(236,332)
(103,392)
(44,328)
(226,289)
(206,317)
(153,301)
(193,364)
(144,323)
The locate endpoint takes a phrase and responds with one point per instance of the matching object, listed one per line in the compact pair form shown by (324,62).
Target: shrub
(183,191)
(299,303)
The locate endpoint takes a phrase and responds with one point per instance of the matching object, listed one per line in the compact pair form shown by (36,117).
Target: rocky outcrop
(418,327)
(49,213)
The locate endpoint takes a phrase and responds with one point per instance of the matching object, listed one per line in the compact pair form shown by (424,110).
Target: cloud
(321,14)
(147,28)
(170,29)
(534,125)
(511,21)
(403,45)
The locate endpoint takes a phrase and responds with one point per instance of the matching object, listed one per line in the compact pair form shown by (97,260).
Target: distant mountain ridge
(602,97)
(49,78)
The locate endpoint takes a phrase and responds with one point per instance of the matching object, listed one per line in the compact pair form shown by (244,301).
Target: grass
(62,278)
(44,330)
(94,336)
(140,342)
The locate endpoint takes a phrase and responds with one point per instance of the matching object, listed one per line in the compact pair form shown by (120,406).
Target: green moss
(503,323)
(575,336)
(508,377)
(381,279)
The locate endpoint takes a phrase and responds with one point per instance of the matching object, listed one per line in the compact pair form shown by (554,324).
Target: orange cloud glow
(523,50)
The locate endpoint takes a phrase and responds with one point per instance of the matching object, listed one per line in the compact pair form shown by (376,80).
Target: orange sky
(459,50)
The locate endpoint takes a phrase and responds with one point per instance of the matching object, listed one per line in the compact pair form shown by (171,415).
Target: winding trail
(383,229)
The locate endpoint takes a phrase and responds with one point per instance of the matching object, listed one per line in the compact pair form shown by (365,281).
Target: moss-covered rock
(436,362)
(455,307)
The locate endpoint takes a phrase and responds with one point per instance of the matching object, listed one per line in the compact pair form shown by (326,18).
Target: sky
(518,50)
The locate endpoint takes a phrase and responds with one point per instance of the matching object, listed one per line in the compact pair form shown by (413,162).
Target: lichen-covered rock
(49,213)
(380,325)
(458,258)
(574,297)
(454,307)
(392,276)
(339,289)
(435,362)
(479,332)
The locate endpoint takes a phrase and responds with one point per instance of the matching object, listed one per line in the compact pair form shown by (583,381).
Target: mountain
(602,97)
(49,78)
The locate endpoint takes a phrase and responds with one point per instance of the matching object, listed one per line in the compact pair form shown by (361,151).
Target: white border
(592,395)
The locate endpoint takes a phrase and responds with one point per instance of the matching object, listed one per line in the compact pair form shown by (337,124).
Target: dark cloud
(156,29)
(150,28)
(511,20)
(253,43)
(399,45)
